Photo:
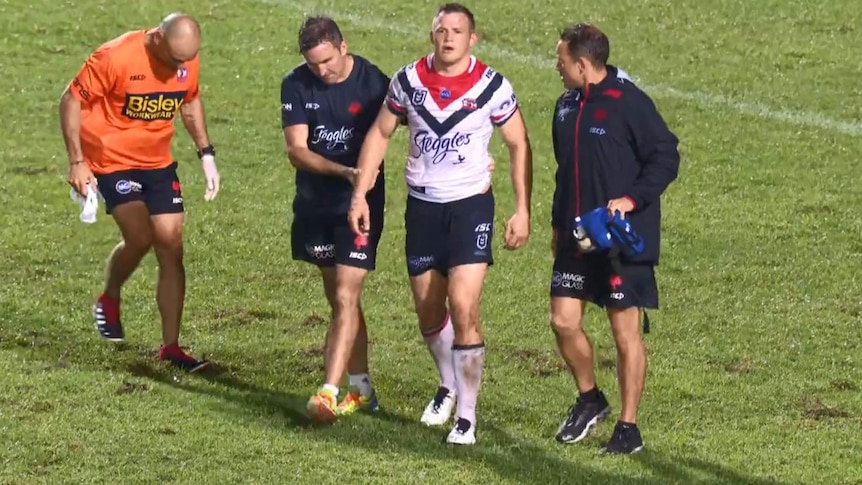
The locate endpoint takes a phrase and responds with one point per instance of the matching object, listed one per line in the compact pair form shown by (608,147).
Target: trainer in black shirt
(328,103)
(614,152)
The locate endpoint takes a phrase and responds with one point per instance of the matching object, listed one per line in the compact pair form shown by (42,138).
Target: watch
(207,150)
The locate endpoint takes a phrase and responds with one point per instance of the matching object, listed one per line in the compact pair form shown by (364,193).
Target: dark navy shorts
(441,236)
(327,240)
(591,278)
(158,188)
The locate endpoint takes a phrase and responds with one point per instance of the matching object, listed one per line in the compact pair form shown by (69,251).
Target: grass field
(754,372)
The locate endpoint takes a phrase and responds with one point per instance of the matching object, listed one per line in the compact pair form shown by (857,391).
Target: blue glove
(624,236)
(591,231)
(596,231)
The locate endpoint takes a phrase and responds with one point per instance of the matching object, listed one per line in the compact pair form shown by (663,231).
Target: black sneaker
(625,440)
(583,415)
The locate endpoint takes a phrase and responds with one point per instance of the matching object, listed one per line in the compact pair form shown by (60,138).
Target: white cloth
(89,205)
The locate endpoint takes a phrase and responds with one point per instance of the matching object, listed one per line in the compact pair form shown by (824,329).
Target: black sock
(623,424)
(591,395)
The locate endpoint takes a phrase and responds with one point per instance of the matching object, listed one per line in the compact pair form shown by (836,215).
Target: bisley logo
(153,106)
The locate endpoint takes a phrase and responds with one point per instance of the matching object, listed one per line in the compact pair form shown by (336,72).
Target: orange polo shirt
(129,100)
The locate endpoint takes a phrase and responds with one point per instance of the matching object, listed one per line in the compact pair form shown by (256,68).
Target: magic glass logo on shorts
(153,106)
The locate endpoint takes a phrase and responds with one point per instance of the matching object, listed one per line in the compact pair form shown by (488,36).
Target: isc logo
(153,106)
(358,255)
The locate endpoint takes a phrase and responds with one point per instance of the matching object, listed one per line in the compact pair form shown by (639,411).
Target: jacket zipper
(578,156)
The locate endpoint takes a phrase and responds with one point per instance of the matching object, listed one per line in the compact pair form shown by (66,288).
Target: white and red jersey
(451,120)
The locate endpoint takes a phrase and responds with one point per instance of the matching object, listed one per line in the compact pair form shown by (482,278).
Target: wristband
(207,150)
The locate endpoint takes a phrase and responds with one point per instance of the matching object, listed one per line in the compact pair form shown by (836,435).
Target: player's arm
(514,134)
(392,113)
(294,124)
(70,125)
(194,120)
(90,84)
(657,150)
(302,158)
(374,148)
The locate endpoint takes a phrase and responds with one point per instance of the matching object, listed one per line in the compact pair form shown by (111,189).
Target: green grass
(754,369)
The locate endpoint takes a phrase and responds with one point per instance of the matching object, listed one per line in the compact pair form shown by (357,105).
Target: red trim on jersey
(436,83)
(395,106)
(497,119)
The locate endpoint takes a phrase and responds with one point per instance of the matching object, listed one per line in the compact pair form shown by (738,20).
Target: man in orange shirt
(117,120)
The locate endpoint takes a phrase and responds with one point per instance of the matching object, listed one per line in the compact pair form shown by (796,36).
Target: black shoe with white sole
(625,440)
(583,415)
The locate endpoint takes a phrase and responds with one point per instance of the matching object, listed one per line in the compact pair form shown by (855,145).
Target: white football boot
(439,410)
(464,433)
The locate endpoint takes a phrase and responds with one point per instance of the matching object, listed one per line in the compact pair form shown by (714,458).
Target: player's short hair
(458,8)
(316,30)
(586,40)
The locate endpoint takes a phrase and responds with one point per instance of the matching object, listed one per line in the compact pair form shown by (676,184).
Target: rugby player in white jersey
(451,103)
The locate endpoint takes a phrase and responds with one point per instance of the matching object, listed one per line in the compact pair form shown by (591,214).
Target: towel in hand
(89,205)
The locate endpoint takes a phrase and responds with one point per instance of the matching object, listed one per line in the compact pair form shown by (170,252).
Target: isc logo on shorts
(153,106)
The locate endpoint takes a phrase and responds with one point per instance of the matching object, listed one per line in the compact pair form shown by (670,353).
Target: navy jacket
(611,142)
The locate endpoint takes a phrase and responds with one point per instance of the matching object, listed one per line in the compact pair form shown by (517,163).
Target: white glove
(211,176)
(585,244)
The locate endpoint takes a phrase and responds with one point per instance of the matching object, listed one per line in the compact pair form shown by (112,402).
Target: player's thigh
(133,219)
(168,236)
(465,290)
(567,314)
(429,290)
(348,285)
(425,237)
(162,190)
(312,240)
(634,288)
(328,276)
(471,230)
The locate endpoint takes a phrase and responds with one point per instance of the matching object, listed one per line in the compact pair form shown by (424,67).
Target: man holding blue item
(615,157)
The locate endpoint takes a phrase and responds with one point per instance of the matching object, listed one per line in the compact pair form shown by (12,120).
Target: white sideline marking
(800,118)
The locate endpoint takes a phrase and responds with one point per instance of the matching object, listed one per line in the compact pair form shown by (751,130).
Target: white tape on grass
(799,118)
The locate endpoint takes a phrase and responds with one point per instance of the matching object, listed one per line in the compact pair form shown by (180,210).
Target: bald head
(177,39)
(178,25)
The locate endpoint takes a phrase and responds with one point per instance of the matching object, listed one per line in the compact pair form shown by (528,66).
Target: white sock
(439,343)
(469,361)
(331,388)
(361,382)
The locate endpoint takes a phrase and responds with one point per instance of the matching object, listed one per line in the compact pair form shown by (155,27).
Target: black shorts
(159,189)
(325,241)
(591,278)
(441,236)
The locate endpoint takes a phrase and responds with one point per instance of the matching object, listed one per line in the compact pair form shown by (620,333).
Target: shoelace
(619,435)
(576,409)
(439,398)
(463,426)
